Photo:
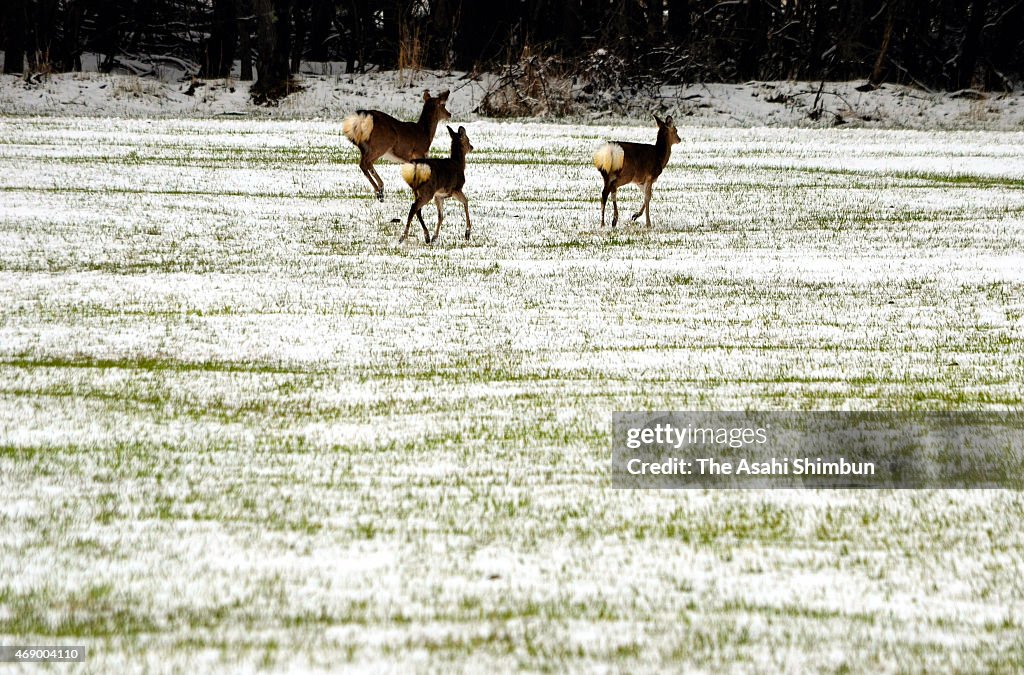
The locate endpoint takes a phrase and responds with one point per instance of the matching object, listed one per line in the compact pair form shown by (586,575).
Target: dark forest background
(938,44)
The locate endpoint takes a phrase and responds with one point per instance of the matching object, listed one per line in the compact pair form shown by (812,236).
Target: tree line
(938,44)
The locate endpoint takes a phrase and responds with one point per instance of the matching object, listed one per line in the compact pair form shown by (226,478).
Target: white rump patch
(415,174)
(357,128)
(609,158)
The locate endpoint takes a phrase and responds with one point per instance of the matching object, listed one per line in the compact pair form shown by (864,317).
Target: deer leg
(414,210)
(366,164)
(408,223)
(604,198)
(465,205)
(367,169)
(643,207)
(615,206)
(380,184)
(439,203)
(426,232)
(647,202)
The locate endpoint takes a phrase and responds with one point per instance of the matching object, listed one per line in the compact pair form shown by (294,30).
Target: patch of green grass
(147,364)
(96,611)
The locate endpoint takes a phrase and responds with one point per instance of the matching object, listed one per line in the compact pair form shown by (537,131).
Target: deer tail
(358,127)
(609,157)
(415,174)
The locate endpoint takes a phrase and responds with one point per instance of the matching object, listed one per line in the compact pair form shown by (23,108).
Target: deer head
(434,106)
(667,127)
(460,140)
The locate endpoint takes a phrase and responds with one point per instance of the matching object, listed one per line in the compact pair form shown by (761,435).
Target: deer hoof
(467,235)
(380,195)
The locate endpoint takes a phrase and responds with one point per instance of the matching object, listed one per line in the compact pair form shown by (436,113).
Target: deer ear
(668,121)
(658,120)
(426,95)
(450,132)
(462,131)
(443,96)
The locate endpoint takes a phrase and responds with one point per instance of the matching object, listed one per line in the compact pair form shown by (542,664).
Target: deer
(438,179)
(622,163)
(378,134)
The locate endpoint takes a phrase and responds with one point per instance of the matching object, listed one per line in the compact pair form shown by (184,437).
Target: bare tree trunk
(442,33)
(108,33)
(393,14)
(753,33)
(878,72)
(273,34)
(321,21)
(967,59)
(14,36)
(361,28)
(142,15)
(219,55)
(1005,39)
(42,48)
(572,24)
(655,17)
(245,40)
(70,57)
(679,19)
(819,38)
(634,19)
(299,11)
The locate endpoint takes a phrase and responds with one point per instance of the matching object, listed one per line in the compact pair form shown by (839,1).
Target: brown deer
(622,163)
(438,179)
(378,134)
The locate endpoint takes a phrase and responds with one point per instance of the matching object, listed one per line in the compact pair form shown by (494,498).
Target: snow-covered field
(750,104)
(241,427)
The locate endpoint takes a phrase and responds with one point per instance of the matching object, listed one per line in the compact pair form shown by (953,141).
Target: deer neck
(662,148)
(458,156)
(428,123)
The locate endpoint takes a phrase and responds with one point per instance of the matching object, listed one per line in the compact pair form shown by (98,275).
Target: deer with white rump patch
(378,134)
(622,163)
(438,179)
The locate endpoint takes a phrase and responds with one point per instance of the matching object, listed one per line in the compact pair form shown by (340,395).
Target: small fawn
(438,179)
(622,163)
(378,134)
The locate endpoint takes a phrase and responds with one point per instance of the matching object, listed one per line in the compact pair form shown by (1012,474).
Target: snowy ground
(329,96)
(242,428)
